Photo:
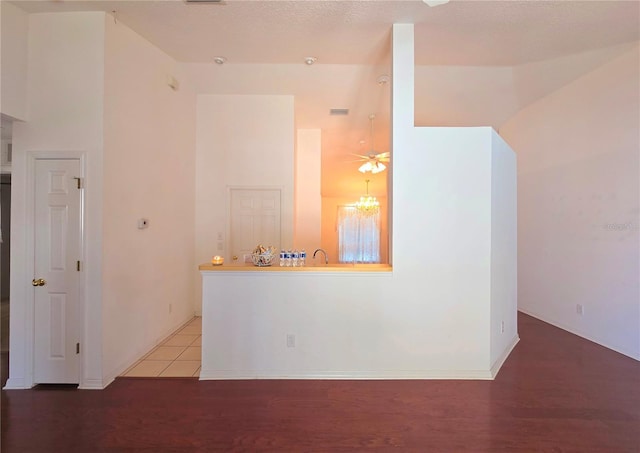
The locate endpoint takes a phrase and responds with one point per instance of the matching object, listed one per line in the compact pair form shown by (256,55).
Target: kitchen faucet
(326,259)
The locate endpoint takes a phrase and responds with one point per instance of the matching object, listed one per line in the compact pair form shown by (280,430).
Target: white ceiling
(470,33)
(471,55)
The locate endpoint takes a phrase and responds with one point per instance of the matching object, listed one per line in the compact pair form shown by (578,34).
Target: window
(358,236)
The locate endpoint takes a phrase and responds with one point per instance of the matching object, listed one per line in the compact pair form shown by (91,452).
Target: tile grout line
(158,375)
(171,362)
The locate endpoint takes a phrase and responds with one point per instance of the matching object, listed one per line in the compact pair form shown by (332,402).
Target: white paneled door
(255,219)
(56,278)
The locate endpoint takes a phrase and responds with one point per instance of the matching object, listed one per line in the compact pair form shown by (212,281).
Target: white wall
(431,317)
(149,172)
(308,202)
(442,233)
(243,141)
(332,85)
(460,95)
(347,326)
(578,197)
(65,85)
(13,61)
(504,247)
(98,89)
(444,210)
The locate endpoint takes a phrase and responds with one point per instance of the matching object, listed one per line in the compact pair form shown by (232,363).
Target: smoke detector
(383,79)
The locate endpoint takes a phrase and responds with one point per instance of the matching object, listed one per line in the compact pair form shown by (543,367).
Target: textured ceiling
(357,32)
(479,61)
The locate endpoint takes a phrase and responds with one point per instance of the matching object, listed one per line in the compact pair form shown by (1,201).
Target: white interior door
(255,219)
(56,271)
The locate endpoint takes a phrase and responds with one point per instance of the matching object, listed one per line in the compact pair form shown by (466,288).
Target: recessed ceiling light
(220,60)
(310,60)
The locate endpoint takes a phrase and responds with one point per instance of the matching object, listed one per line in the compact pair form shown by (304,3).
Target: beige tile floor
(177,356)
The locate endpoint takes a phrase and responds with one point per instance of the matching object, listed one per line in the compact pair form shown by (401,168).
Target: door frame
(230,188)
(29,325)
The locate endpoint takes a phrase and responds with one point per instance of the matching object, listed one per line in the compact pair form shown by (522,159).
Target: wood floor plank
(555,393)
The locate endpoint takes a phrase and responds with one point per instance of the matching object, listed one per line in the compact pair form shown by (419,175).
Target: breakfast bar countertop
(336,267)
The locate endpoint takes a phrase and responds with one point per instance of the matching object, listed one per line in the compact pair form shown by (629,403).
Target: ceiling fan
(372,161)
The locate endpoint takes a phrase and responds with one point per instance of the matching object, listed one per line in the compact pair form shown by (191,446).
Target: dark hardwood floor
(556,393)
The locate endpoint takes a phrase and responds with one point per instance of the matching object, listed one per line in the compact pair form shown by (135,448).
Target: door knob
(38,282)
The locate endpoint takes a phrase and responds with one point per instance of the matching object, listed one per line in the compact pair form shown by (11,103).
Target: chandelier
(368,205)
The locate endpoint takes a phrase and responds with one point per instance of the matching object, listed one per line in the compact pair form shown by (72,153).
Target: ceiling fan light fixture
(373,163)
(378,167)
(373,166)
(310,60)
(367,166)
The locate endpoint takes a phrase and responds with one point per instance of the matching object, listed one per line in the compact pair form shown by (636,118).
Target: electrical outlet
(291,341)
(580,309)
(501,326)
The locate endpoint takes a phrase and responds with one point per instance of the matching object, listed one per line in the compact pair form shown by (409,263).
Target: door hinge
(79,181)
(77,348)
(78,266)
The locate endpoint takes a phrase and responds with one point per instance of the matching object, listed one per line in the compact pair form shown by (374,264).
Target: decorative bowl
(263,259)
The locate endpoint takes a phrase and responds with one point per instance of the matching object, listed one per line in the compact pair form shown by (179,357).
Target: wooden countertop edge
(329,268)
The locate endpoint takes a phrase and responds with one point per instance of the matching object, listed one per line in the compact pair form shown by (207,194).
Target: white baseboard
(347,375)
(20,384)
(579,333)
(495,368)
(15,384)
(93,384)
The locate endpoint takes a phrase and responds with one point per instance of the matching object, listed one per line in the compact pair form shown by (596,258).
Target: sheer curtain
(358,236)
